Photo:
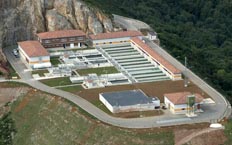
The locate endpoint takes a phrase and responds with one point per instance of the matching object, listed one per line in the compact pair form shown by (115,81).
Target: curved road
(222,106)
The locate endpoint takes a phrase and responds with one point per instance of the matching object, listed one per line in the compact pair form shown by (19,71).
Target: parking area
(132,63)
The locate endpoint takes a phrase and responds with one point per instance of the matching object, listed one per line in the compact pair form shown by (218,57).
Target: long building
(34,54)
(162,63)
(62,38)
(113,37)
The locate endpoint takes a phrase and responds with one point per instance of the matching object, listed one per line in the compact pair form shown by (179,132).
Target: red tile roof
(181,97)
(60,34)
(112,35)
(156,56)
(33,48)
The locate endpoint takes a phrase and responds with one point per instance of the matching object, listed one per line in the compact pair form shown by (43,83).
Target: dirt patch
(152,89)
(216,137)
(22,104)
(88,133)
(10,94)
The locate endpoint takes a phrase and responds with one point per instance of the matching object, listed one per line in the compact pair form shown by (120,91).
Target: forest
(200,30)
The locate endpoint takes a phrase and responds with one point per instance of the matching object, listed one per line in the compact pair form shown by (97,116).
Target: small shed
(177,102)
(152,35)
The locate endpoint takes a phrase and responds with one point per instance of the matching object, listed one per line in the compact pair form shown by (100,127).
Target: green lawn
(228,132)
(98,71)
(57,82)
(44,119)
(72,89)
(55,61)
(40,72)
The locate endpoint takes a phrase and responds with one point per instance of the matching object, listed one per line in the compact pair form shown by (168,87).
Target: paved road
(130,24)
(147,122)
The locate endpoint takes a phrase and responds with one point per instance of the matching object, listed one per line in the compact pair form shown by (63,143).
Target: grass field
(57,81)
(98,71)
(44,119)
(55,61)
(39,72)
(72,89)
(228,132)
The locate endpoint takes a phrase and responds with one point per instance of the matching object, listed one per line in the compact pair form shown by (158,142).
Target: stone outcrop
(22,19)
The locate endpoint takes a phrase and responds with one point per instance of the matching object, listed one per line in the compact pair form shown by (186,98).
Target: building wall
(106,103)
(138,107)
(31,61)
(68,41)
(110,41)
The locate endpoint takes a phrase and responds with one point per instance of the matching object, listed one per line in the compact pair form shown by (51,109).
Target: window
(80,38)
(47,41)
(72,39)
(63,40)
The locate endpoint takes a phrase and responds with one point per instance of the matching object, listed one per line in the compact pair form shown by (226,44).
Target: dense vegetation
(198,29)
(7,130)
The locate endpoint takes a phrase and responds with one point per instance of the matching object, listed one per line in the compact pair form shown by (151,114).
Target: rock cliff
(22,19)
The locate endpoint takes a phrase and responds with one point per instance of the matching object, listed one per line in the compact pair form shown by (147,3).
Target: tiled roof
(112,35)
(181,97)
(60,34)
(156,56)
(33,48)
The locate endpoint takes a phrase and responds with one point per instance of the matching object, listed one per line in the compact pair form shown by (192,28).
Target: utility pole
(185,75)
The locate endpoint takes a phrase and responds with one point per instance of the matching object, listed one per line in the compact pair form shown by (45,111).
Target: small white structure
(152,35)
(127,101)
(93,81)
(113,37)
(177,102)
(34,54)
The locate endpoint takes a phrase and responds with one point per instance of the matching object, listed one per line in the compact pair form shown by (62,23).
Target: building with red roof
(177,103)
(113,37)
(62,38)
(34,54)
(162,63)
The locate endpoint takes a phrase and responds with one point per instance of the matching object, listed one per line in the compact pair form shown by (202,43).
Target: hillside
(200,30)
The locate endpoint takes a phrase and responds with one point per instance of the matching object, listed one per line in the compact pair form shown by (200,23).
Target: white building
(152,35)
(177,102)
(127,101)
(34,54)
(113,37)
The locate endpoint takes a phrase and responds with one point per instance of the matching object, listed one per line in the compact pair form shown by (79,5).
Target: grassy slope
(43,119)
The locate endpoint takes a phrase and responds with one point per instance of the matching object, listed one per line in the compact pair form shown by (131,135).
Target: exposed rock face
(22,19)
(54,20)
